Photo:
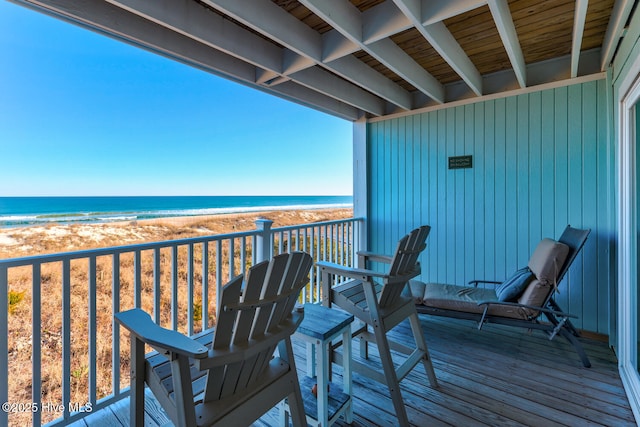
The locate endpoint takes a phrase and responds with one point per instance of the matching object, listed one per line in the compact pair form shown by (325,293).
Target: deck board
(499,376)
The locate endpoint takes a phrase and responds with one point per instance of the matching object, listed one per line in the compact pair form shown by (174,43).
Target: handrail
(174,280)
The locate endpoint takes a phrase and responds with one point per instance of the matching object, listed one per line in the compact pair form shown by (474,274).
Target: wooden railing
(61,355)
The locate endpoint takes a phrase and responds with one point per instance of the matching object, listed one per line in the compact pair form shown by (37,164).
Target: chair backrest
(404,265)
(251,318)
(405,259)
(545,263)
(575,238)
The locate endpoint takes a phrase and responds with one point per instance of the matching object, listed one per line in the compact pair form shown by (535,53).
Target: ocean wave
(101,217)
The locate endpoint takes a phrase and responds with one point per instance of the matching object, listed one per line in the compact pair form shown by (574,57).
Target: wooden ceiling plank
(444,43)
(346,18)
(579,19)
(507,30)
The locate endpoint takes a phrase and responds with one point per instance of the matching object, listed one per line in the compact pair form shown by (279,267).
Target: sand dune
(35,240)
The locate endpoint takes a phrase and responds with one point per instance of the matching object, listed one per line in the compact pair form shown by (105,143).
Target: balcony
(79,361)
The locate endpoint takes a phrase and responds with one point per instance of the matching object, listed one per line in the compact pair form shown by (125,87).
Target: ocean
(24,211)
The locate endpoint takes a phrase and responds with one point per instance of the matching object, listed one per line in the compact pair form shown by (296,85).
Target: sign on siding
(460,162)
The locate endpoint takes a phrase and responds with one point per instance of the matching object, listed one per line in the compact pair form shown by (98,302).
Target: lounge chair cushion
(463,298)
(548,259)
(512,288)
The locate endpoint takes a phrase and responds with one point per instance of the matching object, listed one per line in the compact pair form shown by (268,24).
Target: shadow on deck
(497,376)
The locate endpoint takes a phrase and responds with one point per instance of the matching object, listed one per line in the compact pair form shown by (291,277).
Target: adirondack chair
(382,306)
(227,376)
(530,299)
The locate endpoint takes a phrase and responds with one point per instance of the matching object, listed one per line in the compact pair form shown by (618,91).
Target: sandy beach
(36,240)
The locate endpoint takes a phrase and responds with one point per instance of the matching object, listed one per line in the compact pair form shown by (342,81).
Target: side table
(321,325)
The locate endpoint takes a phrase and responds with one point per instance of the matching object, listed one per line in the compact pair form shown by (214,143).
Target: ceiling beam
(348,20)
(193,20)
(579,19)
(438,10)
(441,39)
(507,30)
(124,26)
(382,21)
(615,29)
(269,19)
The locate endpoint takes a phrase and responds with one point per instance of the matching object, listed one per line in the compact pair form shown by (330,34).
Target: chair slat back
(246,316)
(404,263)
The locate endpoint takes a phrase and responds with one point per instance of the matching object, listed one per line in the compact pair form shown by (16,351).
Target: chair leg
(391,376)
(296,404)
(422,346)
(136,397)
(297,407)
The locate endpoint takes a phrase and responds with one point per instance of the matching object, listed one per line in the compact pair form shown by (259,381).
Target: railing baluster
(190,289)
(115,292)
(243,255)
(218,273)
(4,342)
(174,287)
(232,257)
(36,343)
(137,278)
(66,335)
(93,335)
(157,274)
(205,285)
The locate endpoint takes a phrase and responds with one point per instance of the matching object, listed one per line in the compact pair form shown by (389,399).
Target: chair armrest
(376,257)
(341,270)
(476,282)
(532,307)
(161,339)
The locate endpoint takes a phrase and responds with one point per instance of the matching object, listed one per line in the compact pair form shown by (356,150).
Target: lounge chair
(235,376)
(380,307)
(522,300)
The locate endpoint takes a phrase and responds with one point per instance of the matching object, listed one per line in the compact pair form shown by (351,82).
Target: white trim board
(629,96)
(515,92)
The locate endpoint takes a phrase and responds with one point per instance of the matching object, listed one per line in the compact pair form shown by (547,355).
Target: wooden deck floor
(499,376)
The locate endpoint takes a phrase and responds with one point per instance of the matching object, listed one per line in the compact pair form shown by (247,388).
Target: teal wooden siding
(541,160)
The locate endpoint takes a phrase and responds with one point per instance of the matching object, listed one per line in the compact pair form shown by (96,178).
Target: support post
(263,242)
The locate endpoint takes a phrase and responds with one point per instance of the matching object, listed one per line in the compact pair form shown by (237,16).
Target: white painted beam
(382,21)
(347,19)
(380,85)
(318,79)
(193,20)
(438,10)
(615,29)
(506,28)
(441,39)
(335,46)
(124,26)
(267,18)
(580,16)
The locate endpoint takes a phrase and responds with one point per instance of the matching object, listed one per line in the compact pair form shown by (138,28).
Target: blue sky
(83,114)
